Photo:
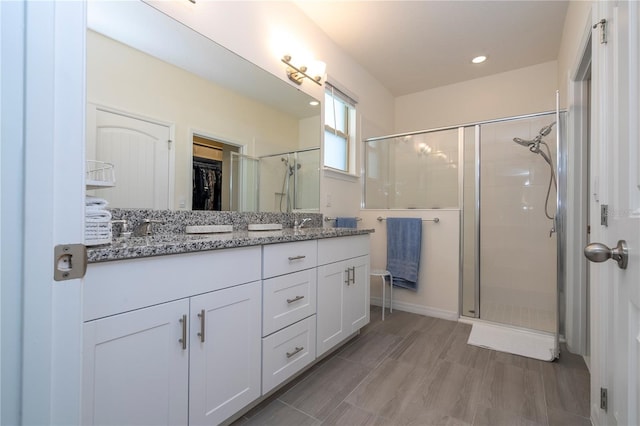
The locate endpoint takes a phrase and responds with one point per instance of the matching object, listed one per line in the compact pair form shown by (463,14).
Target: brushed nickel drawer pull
(183,320)
(292,258)
(298,349)
(295,299)
(201,333)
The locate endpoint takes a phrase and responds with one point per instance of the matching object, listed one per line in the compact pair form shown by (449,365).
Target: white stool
(382,274)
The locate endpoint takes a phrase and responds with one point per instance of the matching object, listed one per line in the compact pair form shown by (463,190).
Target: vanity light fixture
(479,59)
(314,103)
(298,73)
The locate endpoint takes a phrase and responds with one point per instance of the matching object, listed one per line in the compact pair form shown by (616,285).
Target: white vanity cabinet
(195,338)
(343,289)
(289,307)
(144,358)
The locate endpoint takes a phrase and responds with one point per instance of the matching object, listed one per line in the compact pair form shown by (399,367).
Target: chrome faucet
(298,225)
(145,228)
(124,229)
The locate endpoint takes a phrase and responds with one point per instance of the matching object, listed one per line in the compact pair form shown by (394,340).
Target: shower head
(534,144)
(523,142)
(546,129)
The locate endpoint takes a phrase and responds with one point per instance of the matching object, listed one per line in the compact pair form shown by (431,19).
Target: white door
(140,152)
(615,156)
(225,352)
(135,368)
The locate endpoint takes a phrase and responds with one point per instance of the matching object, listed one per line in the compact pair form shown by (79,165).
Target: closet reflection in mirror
(144,114)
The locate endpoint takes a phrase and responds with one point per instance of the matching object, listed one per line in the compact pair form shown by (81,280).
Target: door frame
(242,149)
(53,211)
(576,328)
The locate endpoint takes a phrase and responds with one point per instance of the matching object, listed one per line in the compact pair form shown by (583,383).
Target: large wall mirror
(189,124)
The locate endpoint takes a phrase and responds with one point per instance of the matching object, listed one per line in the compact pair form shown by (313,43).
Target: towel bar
(435,219)
(329,219)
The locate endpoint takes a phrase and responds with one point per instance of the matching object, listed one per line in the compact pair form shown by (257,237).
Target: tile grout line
(301,411)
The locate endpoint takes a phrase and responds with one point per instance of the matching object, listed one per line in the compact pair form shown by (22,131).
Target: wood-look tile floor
(417,370)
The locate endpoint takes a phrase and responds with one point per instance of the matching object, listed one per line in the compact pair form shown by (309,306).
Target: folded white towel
(97,216)
(94,209)
(91,201)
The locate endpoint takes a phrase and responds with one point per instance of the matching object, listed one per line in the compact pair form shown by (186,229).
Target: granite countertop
(164,244)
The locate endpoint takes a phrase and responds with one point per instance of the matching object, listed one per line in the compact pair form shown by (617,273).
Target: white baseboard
(417,309)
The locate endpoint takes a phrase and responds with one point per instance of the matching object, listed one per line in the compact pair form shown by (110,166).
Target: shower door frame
(560,215)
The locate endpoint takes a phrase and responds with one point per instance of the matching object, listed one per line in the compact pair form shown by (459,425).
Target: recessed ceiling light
(314,103)
(479,59)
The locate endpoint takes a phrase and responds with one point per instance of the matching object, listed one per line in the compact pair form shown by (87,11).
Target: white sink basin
(208,229)
(265,226)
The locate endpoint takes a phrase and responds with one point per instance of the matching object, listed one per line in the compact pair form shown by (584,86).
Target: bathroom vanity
(199,335)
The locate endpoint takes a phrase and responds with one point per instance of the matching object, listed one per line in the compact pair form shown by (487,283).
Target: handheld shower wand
(534,146)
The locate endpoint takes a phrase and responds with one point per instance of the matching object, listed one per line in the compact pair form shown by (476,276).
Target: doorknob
(597,252)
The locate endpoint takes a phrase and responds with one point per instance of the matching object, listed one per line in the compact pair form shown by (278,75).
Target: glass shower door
(518,279)
(244,183)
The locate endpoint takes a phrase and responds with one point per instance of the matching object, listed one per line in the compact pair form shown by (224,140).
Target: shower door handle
(597,252)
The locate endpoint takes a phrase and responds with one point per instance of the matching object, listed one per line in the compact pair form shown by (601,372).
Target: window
(339,130)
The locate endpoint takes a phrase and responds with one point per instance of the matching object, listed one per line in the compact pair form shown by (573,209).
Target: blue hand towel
(346,222)
(404,241)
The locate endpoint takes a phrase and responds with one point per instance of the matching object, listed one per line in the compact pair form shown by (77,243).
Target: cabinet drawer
(280,259)
(288,351)
(287,299)
(335,249)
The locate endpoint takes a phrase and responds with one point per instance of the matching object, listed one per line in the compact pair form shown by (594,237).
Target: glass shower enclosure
(506,192)
(283,182)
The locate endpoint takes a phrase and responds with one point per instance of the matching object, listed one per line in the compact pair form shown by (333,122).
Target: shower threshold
(514,340)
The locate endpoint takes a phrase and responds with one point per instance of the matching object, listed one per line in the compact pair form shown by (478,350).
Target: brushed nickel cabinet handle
(201,333)
(292,258)
(183,320)
(348,280)
(298,349)
(295,299)
(353,276)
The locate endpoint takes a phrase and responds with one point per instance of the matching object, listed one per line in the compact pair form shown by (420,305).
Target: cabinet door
(357,295)
(225,369)
(135,370)
(331,306)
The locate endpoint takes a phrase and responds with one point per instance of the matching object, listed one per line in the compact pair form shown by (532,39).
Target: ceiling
(411,46)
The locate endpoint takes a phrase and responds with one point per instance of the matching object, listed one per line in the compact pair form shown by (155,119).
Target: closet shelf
(100,175)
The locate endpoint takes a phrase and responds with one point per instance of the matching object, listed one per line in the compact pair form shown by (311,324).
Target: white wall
(437,293)
(522,91)
(575,24)
(149,87)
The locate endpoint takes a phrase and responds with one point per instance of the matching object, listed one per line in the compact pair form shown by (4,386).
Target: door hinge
(69,261)
(169,142)
(604,401)
(604,215)
(603,30)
